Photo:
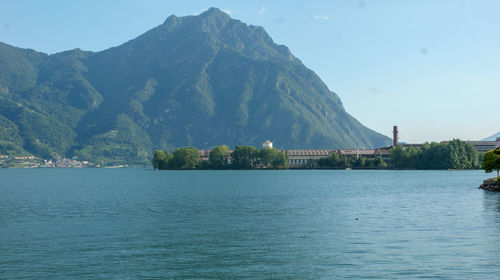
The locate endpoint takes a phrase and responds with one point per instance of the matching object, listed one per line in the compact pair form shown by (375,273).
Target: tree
(455,154)
(346,162)
(218,157)
(184,158)
(434,156)
(330,162)
(411,160)
(266,156)
(325,162)
(335,160)
(480,160)
(460,155)
(380,163)
(398,157)
(245,157)
(280,160)
(472,155)
(272,158)
(160,159)
(491,161)
(359,162)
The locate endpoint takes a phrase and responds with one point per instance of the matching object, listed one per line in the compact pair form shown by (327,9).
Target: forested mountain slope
(193,81)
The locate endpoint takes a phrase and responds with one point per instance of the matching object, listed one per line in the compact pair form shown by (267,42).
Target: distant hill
(492,137)
(193,81)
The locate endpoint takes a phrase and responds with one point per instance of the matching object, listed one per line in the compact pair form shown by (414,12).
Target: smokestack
(395,135)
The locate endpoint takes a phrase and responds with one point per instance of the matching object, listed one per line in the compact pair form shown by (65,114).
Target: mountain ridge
(192,81)
(492,137)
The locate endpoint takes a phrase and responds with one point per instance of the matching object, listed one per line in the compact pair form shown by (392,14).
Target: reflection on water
(310,224)
(492,200)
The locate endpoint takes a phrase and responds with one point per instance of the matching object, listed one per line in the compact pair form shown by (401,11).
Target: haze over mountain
(492,137)
(195,81)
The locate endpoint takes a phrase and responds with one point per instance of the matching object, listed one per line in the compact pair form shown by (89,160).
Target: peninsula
(491,162)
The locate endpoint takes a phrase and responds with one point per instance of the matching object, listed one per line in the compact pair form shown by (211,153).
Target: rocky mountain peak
(196,81)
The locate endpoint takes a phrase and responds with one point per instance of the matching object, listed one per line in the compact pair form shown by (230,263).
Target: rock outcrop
(492,184)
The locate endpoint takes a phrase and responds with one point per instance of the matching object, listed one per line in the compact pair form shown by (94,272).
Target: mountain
(195,81)
(492,137)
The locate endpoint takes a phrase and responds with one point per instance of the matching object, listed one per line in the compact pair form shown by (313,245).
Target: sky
(431,67)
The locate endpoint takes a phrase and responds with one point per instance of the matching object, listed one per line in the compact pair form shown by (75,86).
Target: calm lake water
(134,223)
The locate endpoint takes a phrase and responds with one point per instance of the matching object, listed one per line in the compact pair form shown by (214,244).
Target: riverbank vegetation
(454,154)
(243,157)
(337,162)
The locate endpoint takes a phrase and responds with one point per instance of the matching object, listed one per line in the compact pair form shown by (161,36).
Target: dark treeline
(455,154)
(336,161)
(243,157)
(182,158)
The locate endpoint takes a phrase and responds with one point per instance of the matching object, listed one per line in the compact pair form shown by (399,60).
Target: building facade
(306,158)
(485,146)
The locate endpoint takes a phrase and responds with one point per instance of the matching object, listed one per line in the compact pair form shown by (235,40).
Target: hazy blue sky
(431,67)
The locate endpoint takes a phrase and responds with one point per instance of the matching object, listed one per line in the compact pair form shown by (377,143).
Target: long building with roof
(485,146)
(309,158)
(306,158)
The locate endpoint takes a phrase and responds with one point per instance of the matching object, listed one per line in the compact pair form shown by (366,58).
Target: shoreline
(491,184)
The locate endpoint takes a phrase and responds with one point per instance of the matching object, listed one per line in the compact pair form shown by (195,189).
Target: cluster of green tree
(455,154)
(243,157)
(335,161)
(182,158)
(249,157)
(491,161)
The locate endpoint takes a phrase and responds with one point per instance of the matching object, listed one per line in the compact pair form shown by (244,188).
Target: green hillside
(195,81)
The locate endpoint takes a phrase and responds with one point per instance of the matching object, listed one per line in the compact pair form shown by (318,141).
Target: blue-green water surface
(310,224)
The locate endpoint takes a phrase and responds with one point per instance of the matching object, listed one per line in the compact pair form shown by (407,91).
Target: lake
(291,224)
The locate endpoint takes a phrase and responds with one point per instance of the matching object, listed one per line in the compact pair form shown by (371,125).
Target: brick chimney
(395,135)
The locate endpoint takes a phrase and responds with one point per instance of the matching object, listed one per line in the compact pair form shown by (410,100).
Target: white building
(267,145)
